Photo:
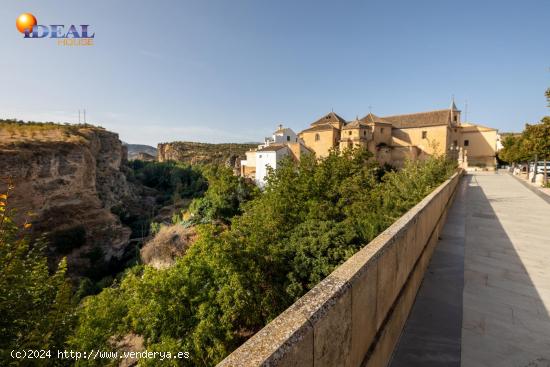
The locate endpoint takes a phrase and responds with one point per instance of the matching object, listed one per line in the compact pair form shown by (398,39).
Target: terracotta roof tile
(319,128)
(372,119)
(329,118)
(421,119)
(355,125)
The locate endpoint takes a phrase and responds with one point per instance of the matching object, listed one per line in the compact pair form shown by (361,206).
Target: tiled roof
(354,125)
(373,119)
(329,118)
(320,128)
(466,126)
(272,148)
(421,119)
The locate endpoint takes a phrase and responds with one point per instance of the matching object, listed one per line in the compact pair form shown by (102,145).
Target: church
(391,139)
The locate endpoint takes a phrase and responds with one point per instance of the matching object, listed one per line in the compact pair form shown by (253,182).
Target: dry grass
(170,243)
(13,131)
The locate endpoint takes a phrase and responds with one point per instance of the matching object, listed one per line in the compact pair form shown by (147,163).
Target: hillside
(202,153)
(135,151)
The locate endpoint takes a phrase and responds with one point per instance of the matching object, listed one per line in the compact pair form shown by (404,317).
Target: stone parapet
(354,317)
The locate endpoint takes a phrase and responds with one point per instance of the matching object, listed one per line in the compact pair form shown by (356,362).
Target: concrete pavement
(485,299)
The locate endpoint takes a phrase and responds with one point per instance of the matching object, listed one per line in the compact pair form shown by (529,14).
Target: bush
(311,217)
(37,307)
(225,195)
(173,180)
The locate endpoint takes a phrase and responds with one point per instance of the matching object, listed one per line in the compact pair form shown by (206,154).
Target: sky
(231,71)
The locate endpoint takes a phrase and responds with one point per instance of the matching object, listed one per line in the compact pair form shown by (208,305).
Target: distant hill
(200,153)
(135,151)
(505,134)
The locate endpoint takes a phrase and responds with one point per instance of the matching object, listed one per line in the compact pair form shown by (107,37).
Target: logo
(71,35)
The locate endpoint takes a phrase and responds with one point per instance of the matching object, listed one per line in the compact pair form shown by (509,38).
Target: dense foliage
(173,180)
(235,278)
(224,198)
(532,144)
(36,307)
(533,141)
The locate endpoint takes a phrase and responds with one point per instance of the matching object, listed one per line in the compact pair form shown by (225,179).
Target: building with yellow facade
(395,139)
(391,139)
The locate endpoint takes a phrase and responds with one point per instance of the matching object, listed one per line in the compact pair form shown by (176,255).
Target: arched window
(317,137)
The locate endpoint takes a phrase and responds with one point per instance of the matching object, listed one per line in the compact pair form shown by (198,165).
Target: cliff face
(199,153)
(138,151)
(68,178)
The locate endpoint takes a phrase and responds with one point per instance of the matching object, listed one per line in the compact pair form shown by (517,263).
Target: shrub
(311,217)
(36,307)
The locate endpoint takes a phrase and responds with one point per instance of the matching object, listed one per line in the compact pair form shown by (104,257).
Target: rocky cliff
(138,151)
(67,178)
(200,153)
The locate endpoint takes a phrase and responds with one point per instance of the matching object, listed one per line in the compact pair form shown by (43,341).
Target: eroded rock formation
(200,153)
(67,179)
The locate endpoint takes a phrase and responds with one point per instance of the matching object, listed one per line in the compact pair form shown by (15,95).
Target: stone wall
(355,316)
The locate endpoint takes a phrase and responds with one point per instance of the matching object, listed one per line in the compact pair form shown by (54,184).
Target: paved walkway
(485,300)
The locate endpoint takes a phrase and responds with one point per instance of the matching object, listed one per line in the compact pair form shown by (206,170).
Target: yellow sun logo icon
(25,22)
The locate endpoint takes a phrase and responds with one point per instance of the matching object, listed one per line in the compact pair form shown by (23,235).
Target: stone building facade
(391,139)
(395,139)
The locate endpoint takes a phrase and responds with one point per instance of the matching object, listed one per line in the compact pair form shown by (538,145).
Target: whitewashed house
(283,143)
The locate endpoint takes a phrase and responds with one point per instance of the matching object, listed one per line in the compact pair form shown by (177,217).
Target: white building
(284,142)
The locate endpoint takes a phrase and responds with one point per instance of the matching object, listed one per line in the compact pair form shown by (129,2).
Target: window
(317,137)
(466,143)
(260,156)
(456,118)
(381,130)
(287,138)
(365,133)
(455,143)
(349,133)
(424,135)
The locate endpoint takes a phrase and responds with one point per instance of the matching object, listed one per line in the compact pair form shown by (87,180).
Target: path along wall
(355,316)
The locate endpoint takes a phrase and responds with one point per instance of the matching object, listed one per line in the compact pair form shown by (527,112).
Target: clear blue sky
(229,71)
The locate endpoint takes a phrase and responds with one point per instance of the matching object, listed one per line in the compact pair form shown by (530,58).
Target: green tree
(514,149)
(37,307)
(311,217)
(172,180)
(537,142)
(225,195)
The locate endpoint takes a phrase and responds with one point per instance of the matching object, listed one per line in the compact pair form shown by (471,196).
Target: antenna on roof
(332,109)
(370,109)
(78,116)
(84,116)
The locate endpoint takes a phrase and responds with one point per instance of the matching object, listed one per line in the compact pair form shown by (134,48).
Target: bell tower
(455,113)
